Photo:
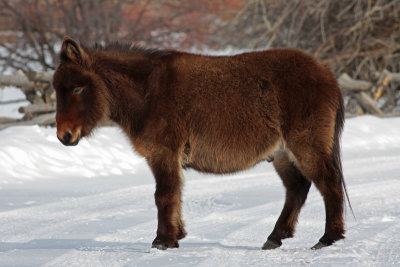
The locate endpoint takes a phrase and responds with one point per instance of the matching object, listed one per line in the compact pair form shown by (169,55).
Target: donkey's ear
(71,50)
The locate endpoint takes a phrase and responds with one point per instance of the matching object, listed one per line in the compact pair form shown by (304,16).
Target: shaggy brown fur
(217,114)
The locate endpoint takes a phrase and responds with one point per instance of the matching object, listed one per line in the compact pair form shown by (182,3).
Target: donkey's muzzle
(68,140)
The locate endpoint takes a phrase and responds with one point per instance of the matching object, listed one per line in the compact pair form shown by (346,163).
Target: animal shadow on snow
(93,245)
(77,244)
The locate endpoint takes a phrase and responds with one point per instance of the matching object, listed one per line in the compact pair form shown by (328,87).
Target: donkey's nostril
(67,137)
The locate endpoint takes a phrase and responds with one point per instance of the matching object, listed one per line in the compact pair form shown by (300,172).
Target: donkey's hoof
(163,245)
(319,245)
(270,245)
(326,241)
(159,246)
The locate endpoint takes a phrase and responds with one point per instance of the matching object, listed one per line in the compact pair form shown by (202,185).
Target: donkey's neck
(125,81)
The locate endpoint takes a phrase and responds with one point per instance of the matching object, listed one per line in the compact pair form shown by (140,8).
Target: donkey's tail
(340,116)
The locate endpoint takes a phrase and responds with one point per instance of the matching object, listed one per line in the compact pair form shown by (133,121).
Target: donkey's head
(81,94)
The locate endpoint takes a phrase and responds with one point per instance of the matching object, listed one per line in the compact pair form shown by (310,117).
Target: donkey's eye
(78,90)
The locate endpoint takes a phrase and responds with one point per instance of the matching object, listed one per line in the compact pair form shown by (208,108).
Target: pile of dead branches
(38,91)
(357,37)
(365,96)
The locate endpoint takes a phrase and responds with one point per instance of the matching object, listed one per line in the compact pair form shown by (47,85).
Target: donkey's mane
(132,49)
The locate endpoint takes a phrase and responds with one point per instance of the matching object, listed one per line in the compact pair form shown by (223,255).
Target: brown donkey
(215,114)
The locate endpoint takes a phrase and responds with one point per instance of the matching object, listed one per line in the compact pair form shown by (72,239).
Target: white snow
(92,205)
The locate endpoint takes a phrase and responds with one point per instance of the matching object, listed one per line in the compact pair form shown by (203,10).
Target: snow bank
(32,152)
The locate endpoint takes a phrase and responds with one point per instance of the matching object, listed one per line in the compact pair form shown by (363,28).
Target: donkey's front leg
(167,172)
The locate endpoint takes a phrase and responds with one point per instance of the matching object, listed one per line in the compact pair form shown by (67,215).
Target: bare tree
(359,37)
(39,25)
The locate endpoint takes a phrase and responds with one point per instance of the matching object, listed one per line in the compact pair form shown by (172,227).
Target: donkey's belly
(222,159)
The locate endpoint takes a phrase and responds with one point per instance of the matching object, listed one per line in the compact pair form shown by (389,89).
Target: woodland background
(358,39)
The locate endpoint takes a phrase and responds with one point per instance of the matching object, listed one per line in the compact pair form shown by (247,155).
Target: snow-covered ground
(92,205)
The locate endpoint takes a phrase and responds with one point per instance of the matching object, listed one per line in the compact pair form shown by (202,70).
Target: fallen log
(17,79)
(347,83)
(367,103)
(38,108)
(384,79)
(7,120)
(393,76)
(43,120)
(41,76)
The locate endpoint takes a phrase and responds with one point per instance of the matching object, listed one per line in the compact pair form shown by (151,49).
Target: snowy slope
(92,205)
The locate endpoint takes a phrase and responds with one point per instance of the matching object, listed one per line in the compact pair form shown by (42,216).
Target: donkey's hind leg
(330,186)
(319,167)
(297,187)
